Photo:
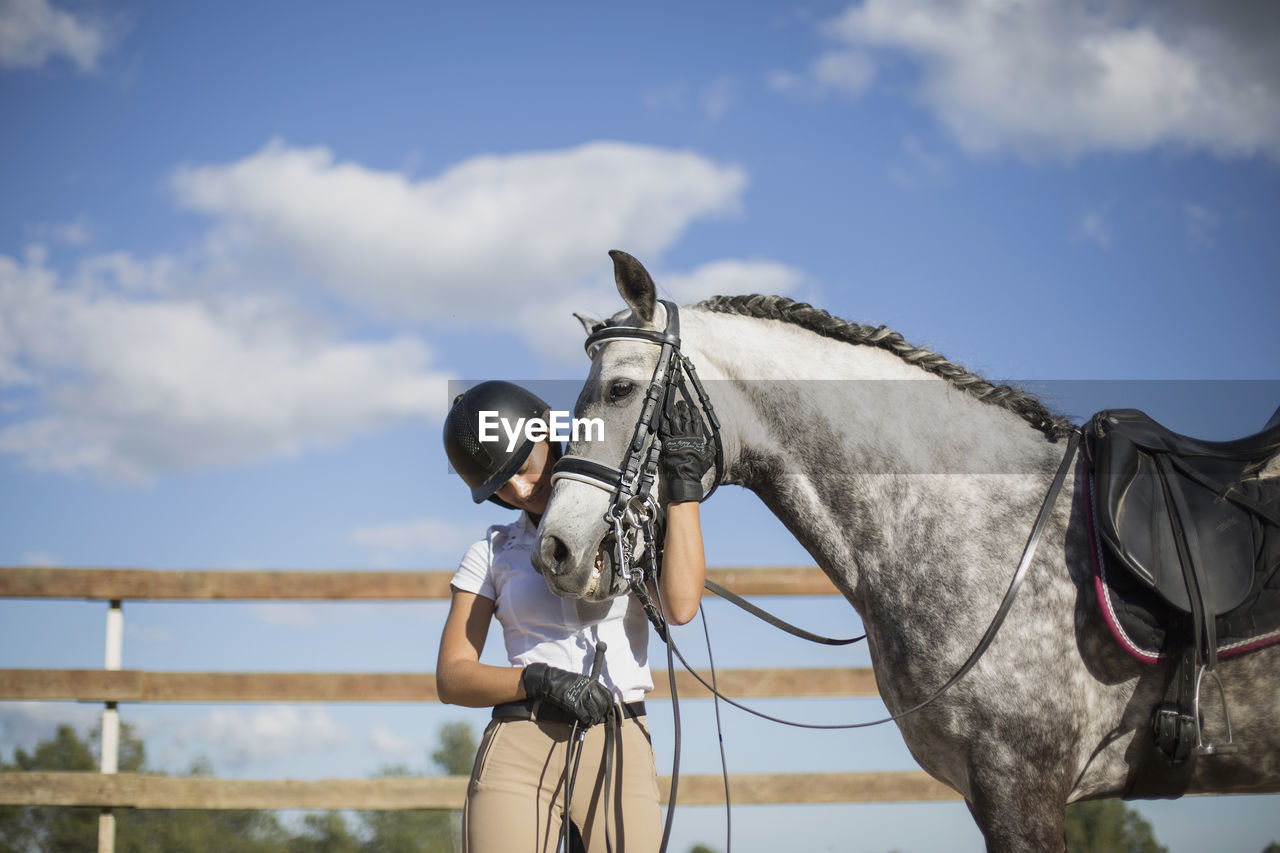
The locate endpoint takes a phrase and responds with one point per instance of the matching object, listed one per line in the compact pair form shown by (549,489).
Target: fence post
(111,724)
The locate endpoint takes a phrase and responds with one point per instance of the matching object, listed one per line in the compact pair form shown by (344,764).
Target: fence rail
(131,685)
(129,790)
(217,585)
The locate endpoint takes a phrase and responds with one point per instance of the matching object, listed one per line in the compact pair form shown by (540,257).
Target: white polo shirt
(539,626)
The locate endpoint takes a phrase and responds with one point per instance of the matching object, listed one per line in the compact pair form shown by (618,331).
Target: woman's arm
(685,460)
(460,677)
(684,567)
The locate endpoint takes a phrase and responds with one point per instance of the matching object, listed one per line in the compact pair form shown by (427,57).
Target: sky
(244,247)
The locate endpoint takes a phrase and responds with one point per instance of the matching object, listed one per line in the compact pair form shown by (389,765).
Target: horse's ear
(635,285)
(591,324)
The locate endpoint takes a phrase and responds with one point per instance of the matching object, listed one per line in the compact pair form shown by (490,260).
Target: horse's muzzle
(571,578)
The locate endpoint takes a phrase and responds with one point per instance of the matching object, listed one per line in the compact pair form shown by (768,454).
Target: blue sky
(244,247)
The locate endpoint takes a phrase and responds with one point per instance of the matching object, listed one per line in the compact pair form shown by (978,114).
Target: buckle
(1175,732)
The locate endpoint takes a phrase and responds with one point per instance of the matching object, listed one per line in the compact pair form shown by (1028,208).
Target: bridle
(632,511)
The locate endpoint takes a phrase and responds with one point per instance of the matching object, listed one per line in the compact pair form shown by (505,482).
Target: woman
(515,799)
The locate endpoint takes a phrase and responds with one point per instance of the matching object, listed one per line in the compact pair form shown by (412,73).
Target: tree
(324,833)
(457,750)
(1109,826)
(49,828)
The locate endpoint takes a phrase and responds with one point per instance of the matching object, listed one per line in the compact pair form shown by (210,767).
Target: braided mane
(820,322)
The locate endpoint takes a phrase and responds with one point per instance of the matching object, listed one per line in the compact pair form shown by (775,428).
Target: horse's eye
(620,390)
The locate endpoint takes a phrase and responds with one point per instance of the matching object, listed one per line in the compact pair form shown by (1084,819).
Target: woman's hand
(685,456)
(584,697)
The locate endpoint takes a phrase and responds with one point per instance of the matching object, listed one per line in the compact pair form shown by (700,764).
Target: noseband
(631,506)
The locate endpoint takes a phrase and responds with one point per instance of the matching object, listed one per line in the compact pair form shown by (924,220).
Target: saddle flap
(1139,517)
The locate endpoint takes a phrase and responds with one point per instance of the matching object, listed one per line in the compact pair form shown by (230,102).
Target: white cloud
(240,739)
(846,72)
(1094,228)
(76,232)
(918,166)
(1201,224)
(386,742)
(129,386)
(729,277)
(24,724)
(549,324)
(423,536)
(33,32)
(718,97)
(317,614)
(713,100)
(493,230)
(1066,78)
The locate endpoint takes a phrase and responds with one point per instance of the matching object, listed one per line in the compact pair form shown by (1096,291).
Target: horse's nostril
(552,552)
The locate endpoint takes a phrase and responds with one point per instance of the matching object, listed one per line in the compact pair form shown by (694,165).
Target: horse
(914,483)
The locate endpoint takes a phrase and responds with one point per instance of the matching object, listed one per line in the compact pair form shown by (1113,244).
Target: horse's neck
(856,451)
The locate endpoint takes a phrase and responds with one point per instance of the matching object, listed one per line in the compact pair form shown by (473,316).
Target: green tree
(457,750)
(50,829)
(1109,826)
(199,831)
(324,833)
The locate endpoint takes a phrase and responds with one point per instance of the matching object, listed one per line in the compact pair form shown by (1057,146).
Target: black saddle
(1174,511)
(1189,521)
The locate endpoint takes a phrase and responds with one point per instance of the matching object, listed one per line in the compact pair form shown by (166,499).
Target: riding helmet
(485,466)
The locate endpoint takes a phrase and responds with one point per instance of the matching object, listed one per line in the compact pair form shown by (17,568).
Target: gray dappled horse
(915,496)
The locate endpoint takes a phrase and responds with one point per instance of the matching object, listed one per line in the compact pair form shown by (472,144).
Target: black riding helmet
(485,466)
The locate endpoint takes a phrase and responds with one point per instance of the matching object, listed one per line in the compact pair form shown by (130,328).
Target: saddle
(1193,537)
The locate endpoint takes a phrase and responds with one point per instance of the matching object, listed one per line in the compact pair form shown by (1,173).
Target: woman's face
(530,487)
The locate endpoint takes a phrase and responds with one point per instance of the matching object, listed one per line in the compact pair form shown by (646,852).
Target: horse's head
(606,492)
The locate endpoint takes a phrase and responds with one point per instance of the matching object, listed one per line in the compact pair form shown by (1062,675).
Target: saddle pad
(1140,619)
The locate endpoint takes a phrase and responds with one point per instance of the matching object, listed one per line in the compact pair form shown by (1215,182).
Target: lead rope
(573,756)
(724,763)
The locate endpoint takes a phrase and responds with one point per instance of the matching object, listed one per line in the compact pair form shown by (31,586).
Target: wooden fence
(112,685)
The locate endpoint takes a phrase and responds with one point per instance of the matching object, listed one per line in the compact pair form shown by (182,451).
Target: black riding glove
(685,455)
(588,700)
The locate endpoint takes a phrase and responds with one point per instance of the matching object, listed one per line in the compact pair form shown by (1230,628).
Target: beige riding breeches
(516,796)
